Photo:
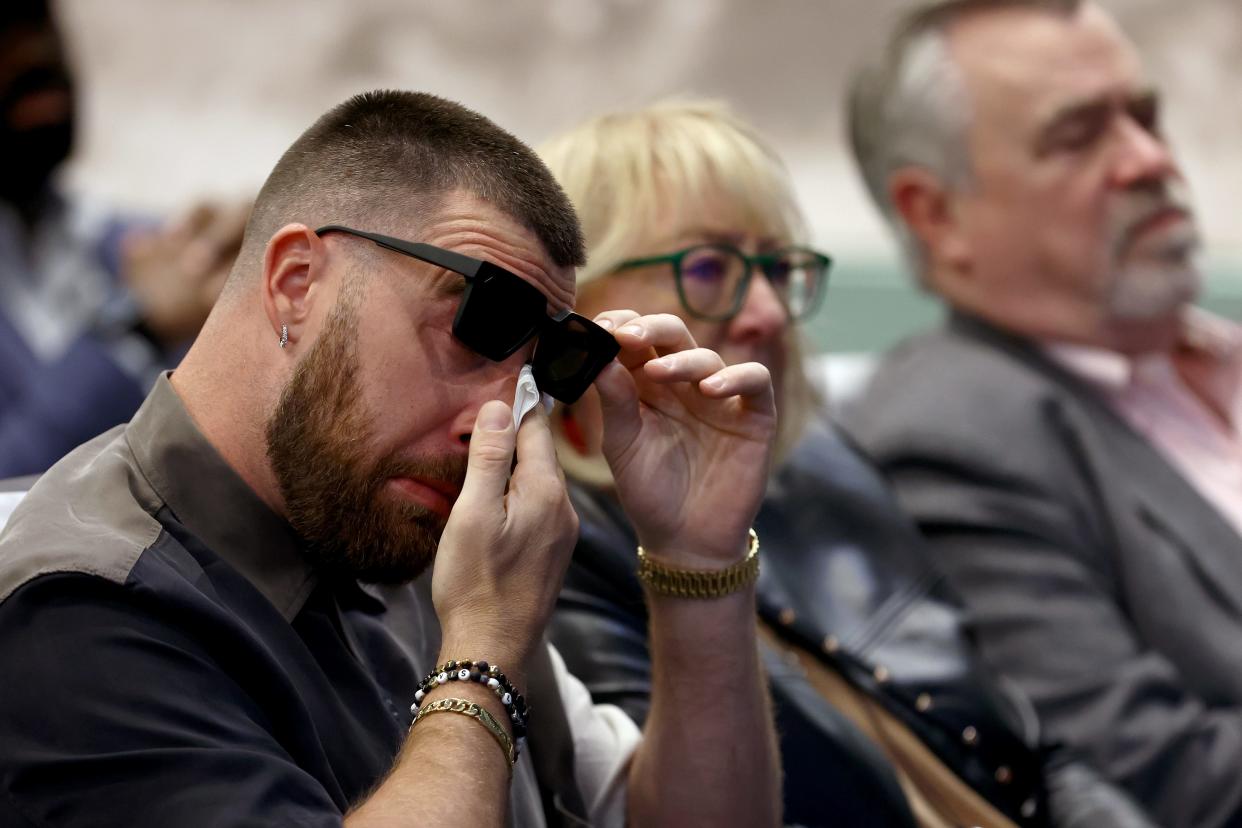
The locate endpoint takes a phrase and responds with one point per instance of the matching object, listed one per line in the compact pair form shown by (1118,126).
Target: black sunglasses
(500,312)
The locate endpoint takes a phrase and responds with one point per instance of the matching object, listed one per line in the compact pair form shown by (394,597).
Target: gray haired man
(1068,439)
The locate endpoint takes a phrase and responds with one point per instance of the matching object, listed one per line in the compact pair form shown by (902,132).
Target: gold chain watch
(700,583)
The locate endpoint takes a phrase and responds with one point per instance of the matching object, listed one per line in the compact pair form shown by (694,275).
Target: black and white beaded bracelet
(490,676)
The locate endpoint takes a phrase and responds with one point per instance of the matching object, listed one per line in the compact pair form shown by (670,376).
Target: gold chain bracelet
(700,583)
(476,712)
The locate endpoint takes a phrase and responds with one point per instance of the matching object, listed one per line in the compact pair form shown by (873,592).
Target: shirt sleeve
(112,715)
(604,743)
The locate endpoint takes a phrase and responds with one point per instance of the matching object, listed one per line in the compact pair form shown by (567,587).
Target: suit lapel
(1167,501)
(1172,506)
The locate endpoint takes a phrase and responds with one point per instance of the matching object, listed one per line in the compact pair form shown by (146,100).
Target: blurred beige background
(190,98)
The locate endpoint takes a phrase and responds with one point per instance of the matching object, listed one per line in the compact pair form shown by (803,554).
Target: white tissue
(527,396)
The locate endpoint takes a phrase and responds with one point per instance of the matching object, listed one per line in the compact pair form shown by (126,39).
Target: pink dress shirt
(1187,403)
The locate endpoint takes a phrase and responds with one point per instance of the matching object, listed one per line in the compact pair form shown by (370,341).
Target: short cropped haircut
(384,158)
(909,108)
(625,172)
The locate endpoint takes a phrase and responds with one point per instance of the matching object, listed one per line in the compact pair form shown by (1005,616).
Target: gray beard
(1155,288)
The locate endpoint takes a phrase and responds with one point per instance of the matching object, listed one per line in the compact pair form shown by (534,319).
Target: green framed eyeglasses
(712,279)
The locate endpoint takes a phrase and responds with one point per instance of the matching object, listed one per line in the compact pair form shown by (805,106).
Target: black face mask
(28,157)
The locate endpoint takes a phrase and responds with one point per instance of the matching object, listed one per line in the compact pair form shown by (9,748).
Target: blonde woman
(886,717)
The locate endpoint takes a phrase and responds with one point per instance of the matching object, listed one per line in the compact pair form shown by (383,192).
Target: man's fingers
(491,454)
(197,258)
(136,244)
(536,451)
(226,227)
(191,223)
(215,239)
(209,290)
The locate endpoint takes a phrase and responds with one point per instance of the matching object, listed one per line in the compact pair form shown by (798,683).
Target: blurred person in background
(1068,440)
(91,307)
(884,713)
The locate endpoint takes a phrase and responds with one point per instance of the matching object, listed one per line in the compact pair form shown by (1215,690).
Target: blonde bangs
(632,176)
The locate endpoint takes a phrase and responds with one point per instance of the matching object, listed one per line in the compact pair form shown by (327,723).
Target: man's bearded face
(318,442)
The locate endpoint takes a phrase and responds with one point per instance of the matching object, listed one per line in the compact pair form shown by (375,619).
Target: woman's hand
(689,440)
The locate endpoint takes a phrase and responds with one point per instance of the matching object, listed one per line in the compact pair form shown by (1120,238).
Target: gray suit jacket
(1096,576)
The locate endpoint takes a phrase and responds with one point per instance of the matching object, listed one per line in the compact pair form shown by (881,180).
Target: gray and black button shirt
(169,658)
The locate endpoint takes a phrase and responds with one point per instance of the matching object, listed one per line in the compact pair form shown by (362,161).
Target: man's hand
(688,438)
(175,273)
(503,555)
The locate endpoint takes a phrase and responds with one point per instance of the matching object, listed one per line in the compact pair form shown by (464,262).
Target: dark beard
(316,442)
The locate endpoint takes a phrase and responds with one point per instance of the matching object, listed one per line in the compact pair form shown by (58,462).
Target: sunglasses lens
(566,363)
(498,313)
(570,356)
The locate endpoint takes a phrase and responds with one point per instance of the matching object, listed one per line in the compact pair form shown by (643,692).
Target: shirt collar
(1100,366)
(215,504)
(1212,335)
(1210,357)
(1210,340)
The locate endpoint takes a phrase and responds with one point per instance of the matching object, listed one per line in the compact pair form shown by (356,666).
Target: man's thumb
(491,452)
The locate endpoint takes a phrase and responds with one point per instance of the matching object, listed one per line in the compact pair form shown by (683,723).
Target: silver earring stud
(284,335)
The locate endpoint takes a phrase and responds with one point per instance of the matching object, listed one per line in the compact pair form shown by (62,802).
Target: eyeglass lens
(712,279)
(797,276)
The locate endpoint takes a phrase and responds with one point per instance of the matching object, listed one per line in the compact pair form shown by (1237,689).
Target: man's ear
(294,271)
(929,210)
